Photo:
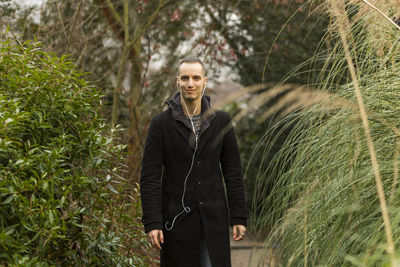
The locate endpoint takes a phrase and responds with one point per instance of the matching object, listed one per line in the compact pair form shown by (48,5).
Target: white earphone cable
(186,208)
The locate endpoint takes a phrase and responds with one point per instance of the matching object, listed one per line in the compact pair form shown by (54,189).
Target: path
(247,253)
(244,253)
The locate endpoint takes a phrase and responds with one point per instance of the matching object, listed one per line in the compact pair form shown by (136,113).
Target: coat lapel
(204,131)
(184,132)
(182,124)
(203,140)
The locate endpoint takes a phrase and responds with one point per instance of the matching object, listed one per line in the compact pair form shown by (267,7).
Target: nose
(190,82)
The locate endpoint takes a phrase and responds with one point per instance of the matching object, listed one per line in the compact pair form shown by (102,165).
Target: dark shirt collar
(207,112)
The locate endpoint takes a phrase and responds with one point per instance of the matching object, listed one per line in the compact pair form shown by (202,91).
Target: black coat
(166,162)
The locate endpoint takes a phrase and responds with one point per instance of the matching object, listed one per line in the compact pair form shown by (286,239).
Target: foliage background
(60,168)
(128,50)
(318,196)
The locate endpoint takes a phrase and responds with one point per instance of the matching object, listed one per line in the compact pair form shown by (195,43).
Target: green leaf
(45,186)
(9,199)
(112,188)
(51,217)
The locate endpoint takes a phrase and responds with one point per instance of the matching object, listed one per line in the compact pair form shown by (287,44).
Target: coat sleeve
(150,178)
(232,172)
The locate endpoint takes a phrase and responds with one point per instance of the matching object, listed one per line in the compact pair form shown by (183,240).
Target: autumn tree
(116,42)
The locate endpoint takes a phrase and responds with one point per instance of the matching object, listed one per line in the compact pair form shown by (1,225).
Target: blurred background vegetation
(278,57)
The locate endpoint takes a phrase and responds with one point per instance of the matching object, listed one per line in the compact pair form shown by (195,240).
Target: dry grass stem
(238,94)
(262,98)
(302,98)
(383,14)
(305,235)
(395,173)
(338,8)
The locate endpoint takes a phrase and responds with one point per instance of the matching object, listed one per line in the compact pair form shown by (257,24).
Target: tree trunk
(135,132)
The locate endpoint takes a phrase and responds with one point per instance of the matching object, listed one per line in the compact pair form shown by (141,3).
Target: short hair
(192,59)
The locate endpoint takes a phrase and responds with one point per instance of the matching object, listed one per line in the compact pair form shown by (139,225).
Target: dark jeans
(205,260)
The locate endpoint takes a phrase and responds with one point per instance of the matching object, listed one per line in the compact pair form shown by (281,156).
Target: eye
(197,78)
(185,78)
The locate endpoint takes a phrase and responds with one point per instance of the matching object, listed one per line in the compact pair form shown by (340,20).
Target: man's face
(191,80)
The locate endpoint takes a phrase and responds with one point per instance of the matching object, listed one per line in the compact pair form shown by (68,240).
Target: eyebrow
(187,76)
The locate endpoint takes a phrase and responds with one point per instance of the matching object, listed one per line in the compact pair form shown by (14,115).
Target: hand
(157,238)
(238,232)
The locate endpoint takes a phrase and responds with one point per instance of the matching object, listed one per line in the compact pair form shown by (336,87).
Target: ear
(205,80)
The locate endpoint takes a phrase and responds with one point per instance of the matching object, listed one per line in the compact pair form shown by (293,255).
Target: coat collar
(182,122)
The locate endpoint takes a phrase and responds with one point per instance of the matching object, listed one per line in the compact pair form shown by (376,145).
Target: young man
(190,151)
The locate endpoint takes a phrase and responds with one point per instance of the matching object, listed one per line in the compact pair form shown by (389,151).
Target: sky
(28,2)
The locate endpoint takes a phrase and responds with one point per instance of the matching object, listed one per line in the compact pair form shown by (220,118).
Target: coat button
(199,182)
(198,162)
(201,203)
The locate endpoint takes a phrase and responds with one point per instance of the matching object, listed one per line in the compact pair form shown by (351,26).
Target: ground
(247,253)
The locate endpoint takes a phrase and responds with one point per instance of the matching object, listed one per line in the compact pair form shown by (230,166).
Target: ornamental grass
(330,195)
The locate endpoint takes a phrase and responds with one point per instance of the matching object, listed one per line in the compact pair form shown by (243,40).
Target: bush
(59,170)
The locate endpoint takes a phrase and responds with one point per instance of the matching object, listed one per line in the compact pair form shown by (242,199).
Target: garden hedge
(60,183)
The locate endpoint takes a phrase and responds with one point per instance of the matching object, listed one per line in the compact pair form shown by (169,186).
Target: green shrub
(59,170)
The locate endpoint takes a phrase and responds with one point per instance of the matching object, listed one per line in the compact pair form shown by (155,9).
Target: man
(190,151)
